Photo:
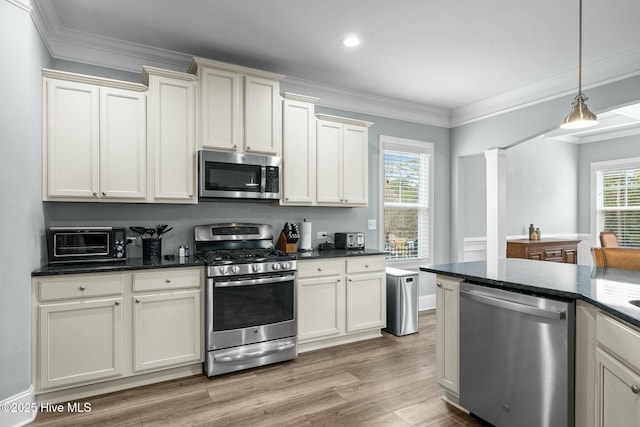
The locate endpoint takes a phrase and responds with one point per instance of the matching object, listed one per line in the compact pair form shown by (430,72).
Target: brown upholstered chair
(608,239)
(626,258)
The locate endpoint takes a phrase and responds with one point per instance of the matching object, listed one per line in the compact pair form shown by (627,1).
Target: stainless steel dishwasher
(516,357)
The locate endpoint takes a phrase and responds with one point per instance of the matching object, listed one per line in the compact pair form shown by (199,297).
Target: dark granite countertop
(337,253)
(129,264)
(609,289)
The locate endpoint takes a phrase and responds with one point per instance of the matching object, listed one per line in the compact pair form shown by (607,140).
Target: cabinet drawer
(364,264)
(321,267)
(553,253)
(80,287)
(619,339)
(159,280)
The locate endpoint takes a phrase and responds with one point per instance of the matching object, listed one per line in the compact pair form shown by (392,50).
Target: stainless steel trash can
(402,301)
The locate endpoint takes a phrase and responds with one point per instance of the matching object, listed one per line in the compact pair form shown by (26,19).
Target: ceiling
(457,60)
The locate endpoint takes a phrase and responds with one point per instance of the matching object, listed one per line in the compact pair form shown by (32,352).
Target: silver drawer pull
(117,302)
(137,301)
(82,288)
(168,280)
(439,284)
(319,269)
(366,266)
(635,389)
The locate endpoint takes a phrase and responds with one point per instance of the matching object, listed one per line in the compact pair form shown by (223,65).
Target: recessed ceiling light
(351,41)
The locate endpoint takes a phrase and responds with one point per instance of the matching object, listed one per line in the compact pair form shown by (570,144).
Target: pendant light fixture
(580,116)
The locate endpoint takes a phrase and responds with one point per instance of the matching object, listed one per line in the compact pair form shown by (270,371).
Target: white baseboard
(426,302)
(18,410)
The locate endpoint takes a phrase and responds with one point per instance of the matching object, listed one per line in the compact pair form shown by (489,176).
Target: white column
(496,163)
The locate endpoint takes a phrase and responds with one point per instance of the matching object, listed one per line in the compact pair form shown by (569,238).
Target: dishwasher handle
(514,306)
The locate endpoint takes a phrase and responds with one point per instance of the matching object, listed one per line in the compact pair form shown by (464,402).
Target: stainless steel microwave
(69,245)
(238,176)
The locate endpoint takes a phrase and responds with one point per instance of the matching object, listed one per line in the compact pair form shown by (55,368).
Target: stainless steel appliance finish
(250,310)
(402,301)
(516,357)
(352,240)
(238,176)
(70,245)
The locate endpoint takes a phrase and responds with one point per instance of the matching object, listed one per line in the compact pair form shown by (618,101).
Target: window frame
(631,162)
(409,145)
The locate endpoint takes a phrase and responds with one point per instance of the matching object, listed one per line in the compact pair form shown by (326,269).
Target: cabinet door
(329,163)
(123,144)
(321,307)
(618,398)
(366,301)
(221,109)
(355,154)
(172,139)
(166,330)
(79,342)
(570,255)
(298,153)
(447,333)
(262,124)
(71,140)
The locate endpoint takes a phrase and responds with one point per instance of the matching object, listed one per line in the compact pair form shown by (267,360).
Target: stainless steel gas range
(250,309)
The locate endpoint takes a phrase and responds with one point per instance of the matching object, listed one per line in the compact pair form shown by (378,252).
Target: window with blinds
(407,206)
(618,203)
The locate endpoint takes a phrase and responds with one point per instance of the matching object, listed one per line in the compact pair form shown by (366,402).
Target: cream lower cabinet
(91,337)
(618,373)
(166,319)
(447,335)
(340,300)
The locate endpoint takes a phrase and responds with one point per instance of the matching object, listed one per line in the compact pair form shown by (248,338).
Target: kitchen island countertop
(608,289)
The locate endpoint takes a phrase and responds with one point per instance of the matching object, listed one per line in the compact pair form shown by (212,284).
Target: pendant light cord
(580,50)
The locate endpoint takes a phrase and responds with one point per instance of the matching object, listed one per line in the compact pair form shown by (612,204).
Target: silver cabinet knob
(635,389)
(235,147)
(351,280)
(94,193)
(439,284)
(104,193)
(168,280)
(137,301)
(366,266)
(117,302)
(82,288)
(248,148)
(319,269)
(190,195)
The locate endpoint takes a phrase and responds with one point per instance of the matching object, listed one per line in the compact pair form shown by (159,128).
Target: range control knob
(255,268)
(235,269)
(285,265)
(222,270)
(275,266)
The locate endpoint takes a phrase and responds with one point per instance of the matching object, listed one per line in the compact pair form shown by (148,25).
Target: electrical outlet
(132,240)
(321,234)
(372,224)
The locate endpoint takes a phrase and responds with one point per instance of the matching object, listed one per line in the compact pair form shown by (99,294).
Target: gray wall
(518,126)
(23,55)
(620,148)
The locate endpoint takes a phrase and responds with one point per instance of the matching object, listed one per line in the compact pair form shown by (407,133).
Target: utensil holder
(152,249)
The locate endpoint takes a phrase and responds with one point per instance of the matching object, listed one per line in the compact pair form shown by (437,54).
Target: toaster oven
(352,240)
(70,245)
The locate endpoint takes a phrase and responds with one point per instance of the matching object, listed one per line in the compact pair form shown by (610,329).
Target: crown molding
(366,103)
(88,48)
(614,68)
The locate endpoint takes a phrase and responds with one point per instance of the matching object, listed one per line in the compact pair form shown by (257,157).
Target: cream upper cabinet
(238,108)
(298,150)
(171,136)
(342,156)
(447,334)
(94,139)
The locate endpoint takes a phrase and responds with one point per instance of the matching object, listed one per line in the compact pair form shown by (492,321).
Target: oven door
(249,310)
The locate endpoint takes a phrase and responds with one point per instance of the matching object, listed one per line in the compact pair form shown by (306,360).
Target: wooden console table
(556,250)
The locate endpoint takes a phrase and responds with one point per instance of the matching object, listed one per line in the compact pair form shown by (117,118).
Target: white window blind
(618,203)
(407,210)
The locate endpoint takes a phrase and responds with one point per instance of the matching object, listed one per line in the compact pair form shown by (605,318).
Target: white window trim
(395,143)
(595,168)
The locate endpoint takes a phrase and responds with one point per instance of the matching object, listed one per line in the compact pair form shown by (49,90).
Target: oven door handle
(258,281)
(240,357)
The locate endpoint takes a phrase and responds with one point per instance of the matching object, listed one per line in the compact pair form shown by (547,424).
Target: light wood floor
(379,382)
